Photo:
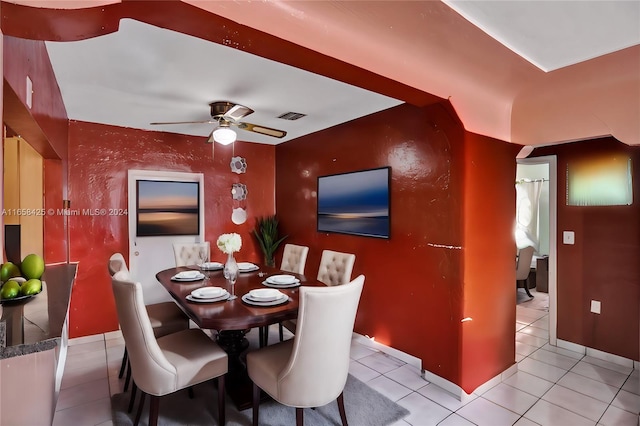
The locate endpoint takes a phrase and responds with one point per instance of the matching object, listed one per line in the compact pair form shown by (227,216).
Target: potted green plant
(266,232)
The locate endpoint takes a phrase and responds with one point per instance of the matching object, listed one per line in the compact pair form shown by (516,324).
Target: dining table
(233,319)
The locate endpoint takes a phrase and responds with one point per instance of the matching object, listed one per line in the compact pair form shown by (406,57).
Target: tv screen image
(167,208)
(355,203)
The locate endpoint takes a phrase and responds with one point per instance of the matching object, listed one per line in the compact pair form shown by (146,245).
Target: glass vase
(230,272)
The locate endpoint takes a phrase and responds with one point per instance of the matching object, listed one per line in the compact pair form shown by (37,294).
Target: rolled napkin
(265,294)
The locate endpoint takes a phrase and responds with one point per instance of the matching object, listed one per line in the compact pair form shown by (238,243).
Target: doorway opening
(546,168)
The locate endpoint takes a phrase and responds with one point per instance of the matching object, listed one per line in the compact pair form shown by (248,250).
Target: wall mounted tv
(355,203)
(167,208)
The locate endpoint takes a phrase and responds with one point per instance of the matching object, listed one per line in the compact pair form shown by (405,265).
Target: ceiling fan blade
(262,130)
(185,122)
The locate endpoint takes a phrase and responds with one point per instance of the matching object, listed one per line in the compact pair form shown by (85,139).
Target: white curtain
(527,204)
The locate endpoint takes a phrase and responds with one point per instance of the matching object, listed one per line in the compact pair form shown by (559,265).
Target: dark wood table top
(233,314)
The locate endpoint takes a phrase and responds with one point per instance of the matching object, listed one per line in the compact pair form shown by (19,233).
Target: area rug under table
(363,405)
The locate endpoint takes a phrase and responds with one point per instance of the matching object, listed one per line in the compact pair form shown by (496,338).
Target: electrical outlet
(568,237)
(595,306)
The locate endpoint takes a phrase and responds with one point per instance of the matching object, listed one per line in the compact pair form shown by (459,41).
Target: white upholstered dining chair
(164,365)
(189,253)
(311,369)
(294,259)
(165,317)
(335,267)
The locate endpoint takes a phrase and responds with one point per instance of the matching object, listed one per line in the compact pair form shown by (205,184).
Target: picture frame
(355,203)
(166,208)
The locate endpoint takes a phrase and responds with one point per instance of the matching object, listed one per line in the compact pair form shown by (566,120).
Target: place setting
(281,281)
(211,266)
(208,295)
(188,276)
(247,267)
(265,297)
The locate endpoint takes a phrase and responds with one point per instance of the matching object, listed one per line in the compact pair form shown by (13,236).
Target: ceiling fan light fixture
(224,135)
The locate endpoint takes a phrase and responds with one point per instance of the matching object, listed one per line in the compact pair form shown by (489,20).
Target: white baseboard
(443,383)
(402,356)
(595,353)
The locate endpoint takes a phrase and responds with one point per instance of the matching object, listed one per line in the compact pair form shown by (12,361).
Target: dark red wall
(489,259)
(99,158)
(603,264)
(415,288)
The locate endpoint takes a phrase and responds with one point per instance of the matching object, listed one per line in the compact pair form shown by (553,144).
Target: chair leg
(140,407)
(154,408)
(132,399)
(123,365)
(256,404)
(281,332)
(343,414)
(299,416)
(190,391)
(128,378)
(221,406)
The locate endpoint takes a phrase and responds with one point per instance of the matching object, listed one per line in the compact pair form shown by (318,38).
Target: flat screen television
(355,203)
(167,208)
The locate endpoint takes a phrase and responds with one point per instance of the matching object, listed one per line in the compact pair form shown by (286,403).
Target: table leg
(238,384)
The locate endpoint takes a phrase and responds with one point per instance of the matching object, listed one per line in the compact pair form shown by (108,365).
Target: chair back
(294,258)
(335,267)
(117,263)
(523,266)
(151,370)
(317,370)
(188,253)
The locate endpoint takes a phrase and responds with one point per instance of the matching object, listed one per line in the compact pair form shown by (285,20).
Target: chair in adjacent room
(294,259)
(523,268)
(164,365)
(189,253)
(311,369)
(335,269)
(165,318)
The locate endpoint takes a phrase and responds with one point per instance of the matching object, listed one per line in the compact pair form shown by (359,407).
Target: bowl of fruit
(21,282)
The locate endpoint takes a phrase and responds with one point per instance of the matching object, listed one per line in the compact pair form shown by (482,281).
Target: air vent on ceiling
(291,116)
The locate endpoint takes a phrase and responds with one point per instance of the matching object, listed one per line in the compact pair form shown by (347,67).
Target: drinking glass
(203,255)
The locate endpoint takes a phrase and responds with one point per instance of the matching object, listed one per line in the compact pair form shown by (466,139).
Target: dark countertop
(36,324)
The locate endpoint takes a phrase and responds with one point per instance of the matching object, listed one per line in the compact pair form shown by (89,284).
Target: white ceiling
(556,34)
(143,74)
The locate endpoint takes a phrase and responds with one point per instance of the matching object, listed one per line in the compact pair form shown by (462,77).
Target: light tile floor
(553,386)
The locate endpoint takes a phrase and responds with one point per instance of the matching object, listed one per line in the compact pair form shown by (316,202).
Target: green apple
(9,290)
(32,266)
(9,270)
(32,286)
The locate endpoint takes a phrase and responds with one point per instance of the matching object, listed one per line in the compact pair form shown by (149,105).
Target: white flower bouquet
(229,243)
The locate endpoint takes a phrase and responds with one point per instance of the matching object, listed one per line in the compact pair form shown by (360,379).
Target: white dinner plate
(282,279)
(208,292)
(211,266)
(198,277)
(248,300)
(247,267)
(265,294)
(222,298)
(187,274)
(268,284)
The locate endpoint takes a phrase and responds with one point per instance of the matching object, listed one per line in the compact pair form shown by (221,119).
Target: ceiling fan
(226,114)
